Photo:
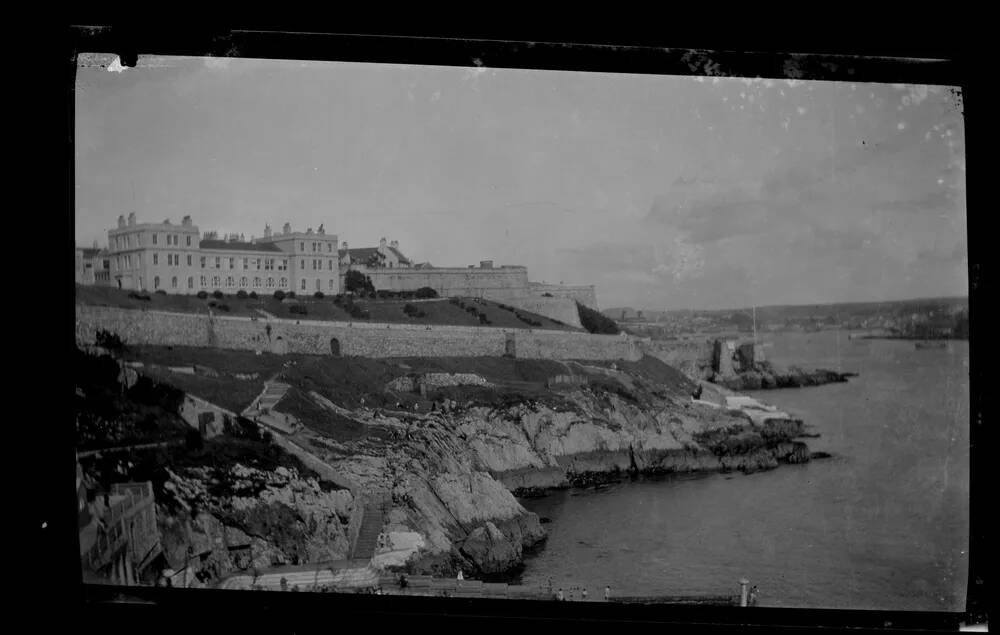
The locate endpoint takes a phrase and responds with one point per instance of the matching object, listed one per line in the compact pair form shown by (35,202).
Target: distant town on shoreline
(924,318)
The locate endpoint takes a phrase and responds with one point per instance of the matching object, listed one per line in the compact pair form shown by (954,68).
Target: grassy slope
(439,312)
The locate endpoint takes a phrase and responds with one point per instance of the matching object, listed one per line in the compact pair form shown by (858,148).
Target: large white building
(178,259)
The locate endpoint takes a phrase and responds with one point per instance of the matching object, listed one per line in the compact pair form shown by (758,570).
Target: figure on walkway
(607,593)
(460,576)
(559,596)
(284,583)
(584,594)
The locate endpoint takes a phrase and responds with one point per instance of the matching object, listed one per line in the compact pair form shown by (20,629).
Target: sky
(664,192)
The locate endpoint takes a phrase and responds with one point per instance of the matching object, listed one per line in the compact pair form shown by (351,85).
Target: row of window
(128,241)
(269,264)
(268,283)
(317,265)
(317,246)
(230,282)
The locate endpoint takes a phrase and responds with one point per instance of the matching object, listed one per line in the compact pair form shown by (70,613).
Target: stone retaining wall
(348,339)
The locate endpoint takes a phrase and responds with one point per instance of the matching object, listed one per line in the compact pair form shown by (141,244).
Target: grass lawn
(320,420)
(225,390)
(439,312)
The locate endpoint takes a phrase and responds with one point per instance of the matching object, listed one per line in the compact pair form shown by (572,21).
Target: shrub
(414,311)
(426,292)
(279,295)
(253,295)
(455,300)
(202,294)
(161,291)
(241,294)
(298,309)
(290,294)
(213,303)
(218,295)
(193,440)
(546,295)
(138,295)
(596,322)
(318,295)
(109,340)
(357,282)
(223,307)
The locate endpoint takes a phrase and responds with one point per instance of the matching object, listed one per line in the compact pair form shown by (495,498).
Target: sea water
(883,524)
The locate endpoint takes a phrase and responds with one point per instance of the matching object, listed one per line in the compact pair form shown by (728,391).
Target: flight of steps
(375,512)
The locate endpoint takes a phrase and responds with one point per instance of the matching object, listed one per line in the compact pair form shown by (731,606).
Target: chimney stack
(121,220)
(131,218)
(267,231)
(186,221)
(394,244)
(287,229)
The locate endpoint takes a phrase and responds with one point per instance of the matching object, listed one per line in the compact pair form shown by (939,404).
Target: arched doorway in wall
(335,347)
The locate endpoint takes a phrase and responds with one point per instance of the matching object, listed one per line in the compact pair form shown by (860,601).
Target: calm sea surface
(882,525)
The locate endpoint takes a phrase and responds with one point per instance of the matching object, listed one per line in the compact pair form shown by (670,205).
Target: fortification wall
(495,284)
(561,309)
(584,294)
(352,339)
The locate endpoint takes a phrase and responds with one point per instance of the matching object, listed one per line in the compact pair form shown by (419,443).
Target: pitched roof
(365,254)
(238,246)
(403,259)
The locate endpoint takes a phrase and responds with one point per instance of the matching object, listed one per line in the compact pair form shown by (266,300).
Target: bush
(319,295)
(202,294)
(426,292)
(138,295)
(414,311)
(298,309)
(596,322)
(357,282)
(546,295)
(161,291)
(193,440)
(290,294)
(223,307)
(241,294)
(279,295)
(109,340)
(218,295)
(253,295)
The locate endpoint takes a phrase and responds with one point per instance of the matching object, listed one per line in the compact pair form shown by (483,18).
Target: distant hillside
(920,317)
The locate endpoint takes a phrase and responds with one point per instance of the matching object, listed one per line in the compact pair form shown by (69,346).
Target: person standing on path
(560,596)
(584,594)
(607,593)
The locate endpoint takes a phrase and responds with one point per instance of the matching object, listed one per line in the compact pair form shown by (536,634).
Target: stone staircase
(262,409)
(375,512)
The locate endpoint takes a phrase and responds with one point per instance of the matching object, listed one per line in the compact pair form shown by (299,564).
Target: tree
(596,322)
(357,282)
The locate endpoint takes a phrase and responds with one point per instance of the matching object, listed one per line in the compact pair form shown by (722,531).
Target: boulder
(490,550)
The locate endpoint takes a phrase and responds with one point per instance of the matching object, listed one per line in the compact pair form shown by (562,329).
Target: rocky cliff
(439,483)
(452,475)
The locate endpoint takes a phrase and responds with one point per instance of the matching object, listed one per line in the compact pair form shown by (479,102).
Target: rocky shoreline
(764,376)
(447,481)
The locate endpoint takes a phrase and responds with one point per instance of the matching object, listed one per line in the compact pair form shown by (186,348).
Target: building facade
(178,259)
